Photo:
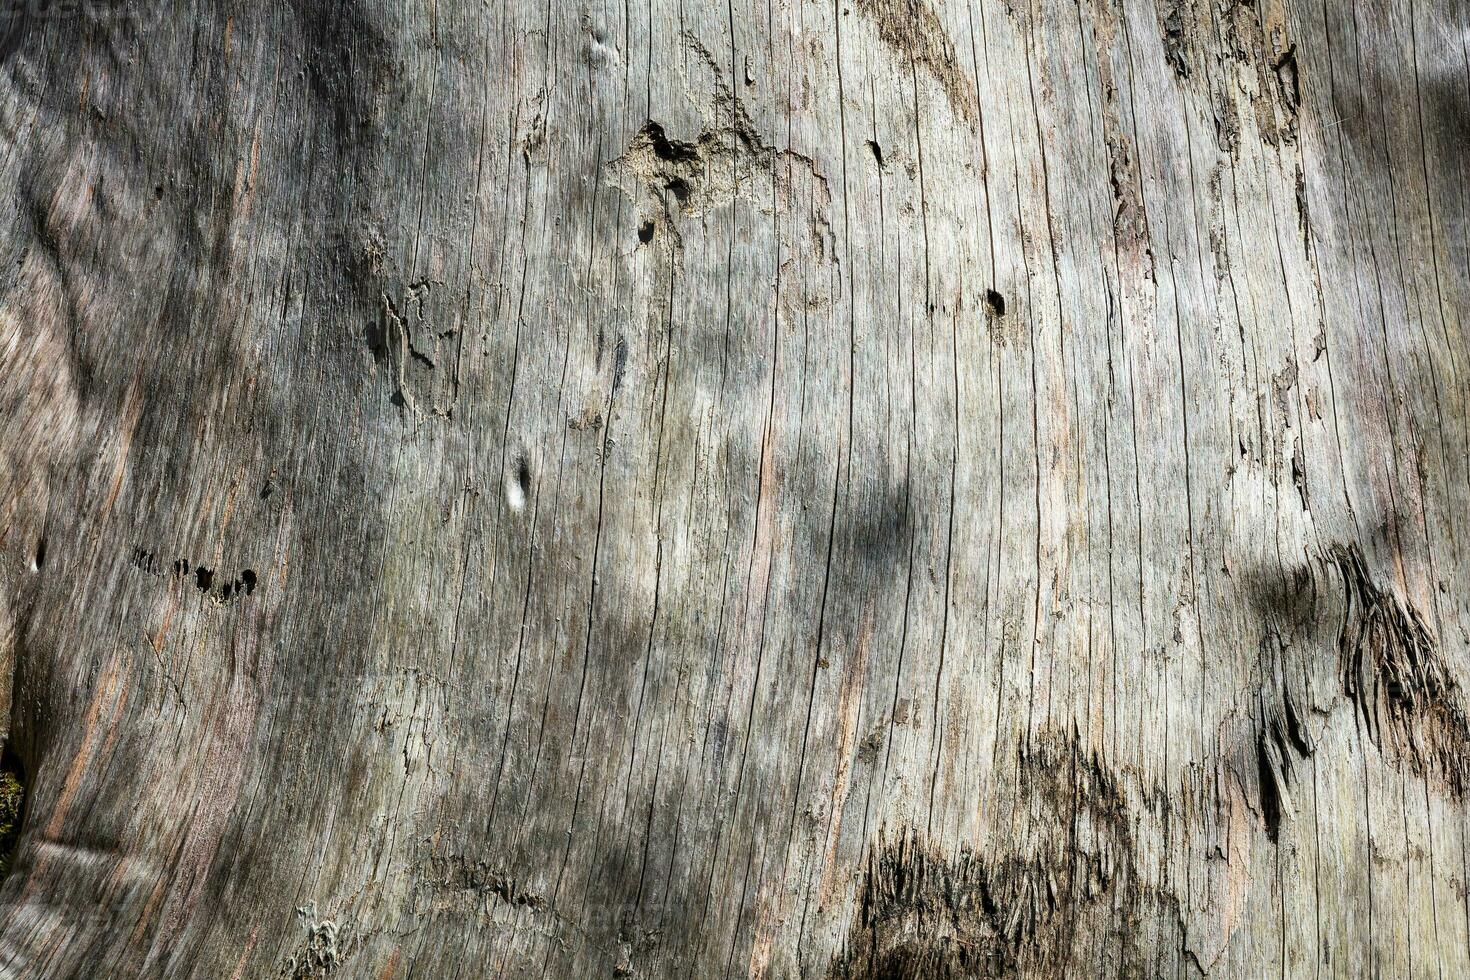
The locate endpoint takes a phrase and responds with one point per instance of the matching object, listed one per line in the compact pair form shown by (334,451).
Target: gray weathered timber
(873,488)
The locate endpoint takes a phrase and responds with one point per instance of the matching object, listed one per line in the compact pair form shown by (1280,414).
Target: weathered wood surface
(854,489)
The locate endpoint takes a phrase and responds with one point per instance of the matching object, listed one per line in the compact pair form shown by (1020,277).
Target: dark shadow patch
(1292,600)
(881,528)
(347,66)
(1446,116)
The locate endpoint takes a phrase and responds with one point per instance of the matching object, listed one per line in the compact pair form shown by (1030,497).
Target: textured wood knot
(696,176)
(725,162)
(325,948)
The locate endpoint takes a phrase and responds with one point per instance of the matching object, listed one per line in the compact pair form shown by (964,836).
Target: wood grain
(941,488)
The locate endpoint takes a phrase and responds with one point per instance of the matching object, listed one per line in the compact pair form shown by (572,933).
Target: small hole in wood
(518,487)
(995,303)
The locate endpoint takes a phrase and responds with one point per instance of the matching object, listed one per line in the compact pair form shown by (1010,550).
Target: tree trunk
(872,488)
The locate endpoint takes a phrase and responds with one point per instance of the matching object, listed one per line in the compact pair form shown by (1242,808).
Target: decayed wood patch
(1404,692)
(915,33)
(1061,891)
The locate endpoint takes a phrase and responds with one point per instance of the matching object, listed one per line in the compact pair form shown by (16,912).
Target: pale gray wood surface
(869,488)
